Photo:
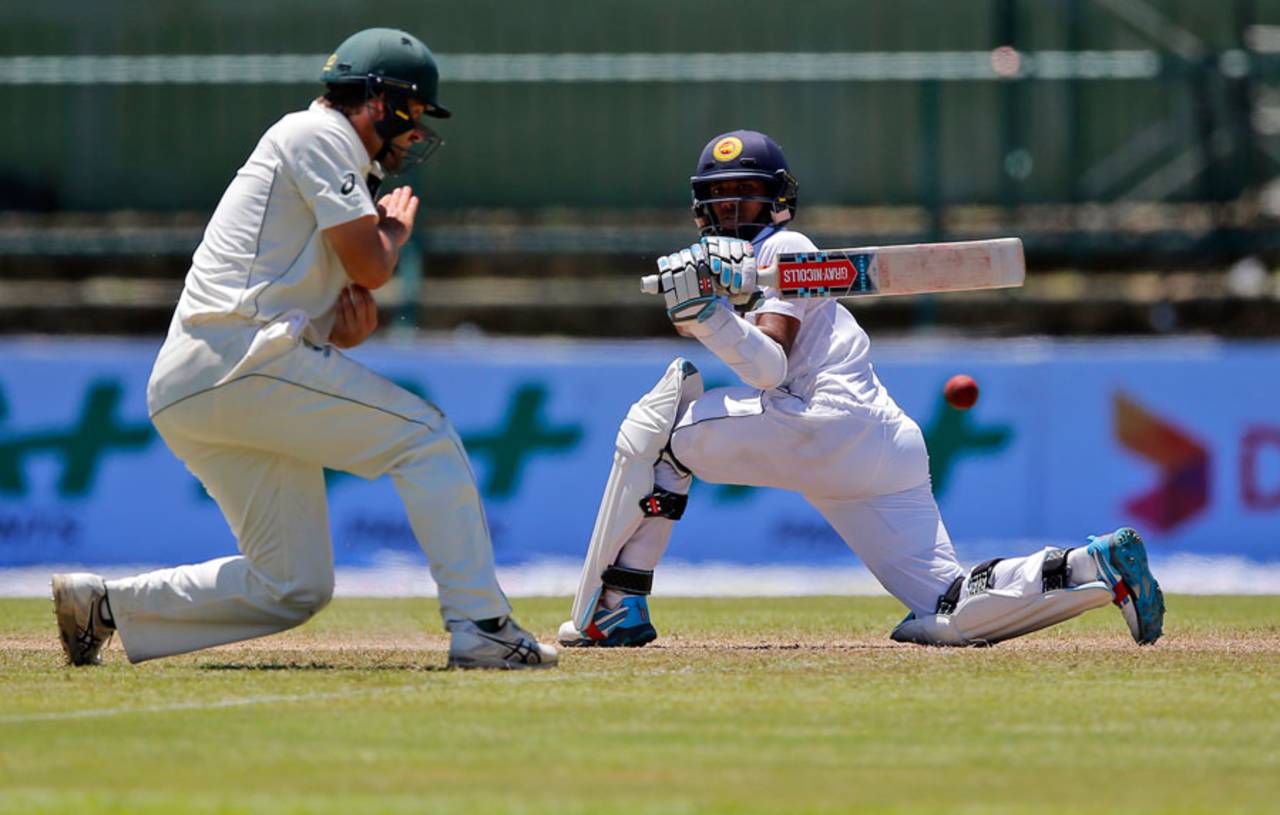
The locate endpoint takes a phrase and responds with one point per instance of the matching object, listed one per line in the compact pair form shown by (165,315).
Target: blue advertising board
(1179,438)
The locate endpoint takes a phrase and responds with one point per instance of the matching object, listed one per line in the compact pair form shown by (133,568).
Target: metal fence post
(931,156)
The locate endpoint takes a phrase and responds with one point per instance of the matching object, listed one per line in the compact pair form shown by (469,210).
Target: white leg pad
(997,615)
(643,435)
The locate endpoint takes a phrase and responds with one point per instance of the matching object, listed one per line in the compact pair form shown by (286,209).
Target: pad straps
(664,504)
(947,602)
(983,576)
(627,581)
(979,579)
(1055,570)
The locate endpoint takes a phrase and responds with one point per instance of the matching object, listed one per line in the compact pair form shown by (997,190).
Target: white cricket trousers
(864,468)
(259,444)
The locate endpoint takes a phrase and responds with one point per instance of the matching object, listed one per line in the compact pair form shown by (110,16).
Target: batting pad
(643,434)
(996,615)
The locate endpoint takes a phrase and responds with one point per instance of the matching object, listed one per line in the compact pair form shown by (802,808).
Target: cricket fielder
(811,416)
(251,390)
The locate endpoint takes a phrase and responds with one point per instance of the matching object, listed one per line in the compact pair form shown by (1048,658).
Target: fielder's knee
(307,596)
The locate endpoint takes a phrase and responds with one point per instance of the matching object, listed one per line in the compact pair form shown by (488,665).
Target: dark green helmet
(390,60)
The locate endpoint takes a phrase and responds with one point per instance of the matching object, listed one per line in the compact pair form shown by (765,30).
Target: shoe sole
(465,664)
(639,641)
(67,624)
(1128,556)
(582,643)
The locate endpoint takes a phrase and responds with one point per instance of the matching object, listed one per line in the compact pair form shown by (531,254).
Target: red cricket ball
(961,391)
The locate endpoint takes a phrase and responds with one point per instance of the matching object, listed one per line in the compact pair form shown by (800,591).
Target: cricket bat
(869,271)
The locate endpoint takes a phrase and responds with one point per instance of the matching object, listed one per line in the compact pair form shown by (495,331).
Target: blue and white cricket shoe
(1122,563)
(627,626)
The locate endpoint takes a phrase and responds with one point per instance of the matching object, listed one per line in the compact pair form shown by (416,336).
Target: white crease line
(538,675)
(218,705)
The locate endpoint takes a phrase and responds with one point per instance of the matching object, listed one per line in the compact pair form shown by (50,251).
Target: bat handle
(767,278)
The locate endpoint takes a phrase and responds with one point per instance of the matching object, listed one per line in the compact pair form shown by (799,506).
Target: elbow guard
(752,354)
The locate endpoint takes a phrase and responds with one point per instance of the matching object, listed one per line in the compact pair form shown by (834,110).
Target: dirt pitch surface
(743,705)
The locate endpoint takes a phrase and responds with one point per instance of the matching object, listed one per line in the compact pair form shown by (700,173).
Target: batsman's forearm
(755,357)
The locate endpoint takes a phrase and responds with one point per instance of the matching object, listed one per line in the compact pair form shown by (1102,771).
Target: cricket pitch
(743,705)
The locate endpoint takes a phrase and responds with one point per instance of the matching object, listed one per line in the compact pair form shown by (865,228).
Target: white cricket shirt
(264,267)
(830,361)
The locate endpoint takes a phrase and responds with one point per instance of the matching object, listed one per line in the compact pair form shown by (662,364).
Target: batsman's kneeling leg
(630,494)
(974,611)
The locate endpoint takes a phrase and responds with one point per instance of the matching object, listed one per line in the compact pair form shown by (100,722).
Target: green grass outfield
(797,705)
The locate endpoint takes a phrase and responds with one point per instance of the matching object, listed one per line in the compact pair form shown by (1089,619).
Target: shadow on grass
(722,645)
(398,667)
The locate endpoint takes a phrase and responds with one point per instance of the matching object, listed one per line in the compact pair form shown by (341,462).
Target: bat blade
(896,270)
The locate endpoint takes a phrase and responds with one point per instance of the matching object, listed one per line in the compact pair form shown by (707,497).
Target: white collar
(350,130)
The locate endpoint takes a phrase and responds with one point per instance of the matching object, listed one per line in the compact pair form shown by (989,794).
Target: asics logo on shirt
(348,183)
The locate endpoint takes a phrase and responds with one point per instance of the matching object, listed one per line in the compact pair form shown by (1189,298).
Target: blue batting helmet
(743,155)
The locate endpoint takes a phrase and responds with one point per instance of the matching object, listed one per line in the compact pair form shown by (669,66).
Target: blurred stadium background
(1132,144)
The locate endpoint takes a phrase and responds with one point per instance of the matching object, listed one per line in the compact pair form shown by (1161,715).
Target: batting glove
(685,279)
(733,265)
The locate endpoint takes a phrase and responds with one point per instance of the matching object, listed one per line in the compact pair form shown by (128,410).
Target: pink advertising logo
(1183,463)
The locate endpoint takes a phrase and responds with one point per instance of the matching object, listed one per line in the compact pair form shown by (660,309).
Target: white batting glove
(733,265)
(685,280)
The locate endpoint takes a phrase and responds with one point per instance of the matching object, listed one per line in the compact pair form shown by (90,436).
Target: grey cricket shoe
(509,647)
(77,602)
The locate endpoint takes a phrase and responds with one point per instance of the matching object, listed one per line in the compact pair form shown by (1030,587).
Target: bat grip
(766,277)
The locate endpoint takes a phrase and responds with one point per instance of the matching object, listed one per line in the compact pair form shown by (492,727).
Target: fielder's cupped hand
(396,211)
(733,265)
(356,318)
(685,280)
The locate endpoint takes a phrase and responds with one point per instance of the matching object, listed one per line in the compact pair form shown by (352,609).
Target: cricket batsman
(811,416)
(253,393)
